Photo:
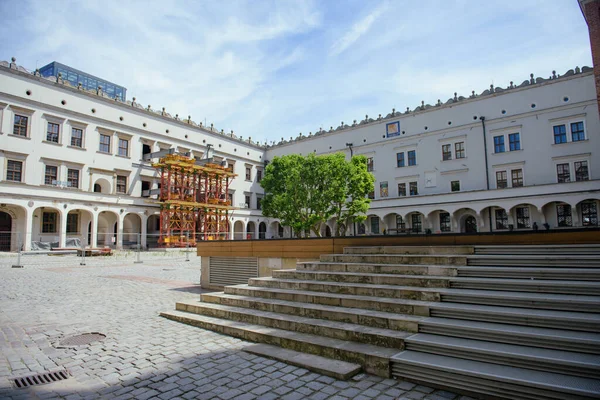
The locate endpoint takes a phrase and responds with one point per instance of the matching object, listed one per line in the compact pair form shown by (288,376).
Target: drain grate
(82,340)
(41,379)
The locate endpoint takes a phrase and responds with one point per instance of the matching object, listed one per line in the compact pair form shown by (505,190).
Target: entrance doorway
(470,224)
(5,231)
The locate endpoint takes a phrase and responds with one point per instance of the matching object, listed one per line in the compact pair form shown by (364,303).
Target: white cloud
(358,29)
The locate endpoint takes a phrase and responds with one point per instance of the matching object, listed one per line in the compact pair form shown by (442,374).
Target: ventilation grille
(232,270)
(41,379)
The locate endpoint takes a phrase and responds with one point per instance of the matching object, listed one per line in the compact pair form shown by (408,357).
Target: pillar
(120,219)
(144,234)
(94,242)
(28,228)
(62,236)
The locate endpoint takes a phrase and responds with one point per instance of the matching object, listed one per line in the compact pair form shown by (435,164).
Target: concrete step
(355,277)
(558,339)
(358,316)
(401,269)
(340,370)
(535,260)
(443,250)
(590,288)
(574,274)
(565,249)
(373,359)
(491,379)
(555,361)
(424,259)
(331,329)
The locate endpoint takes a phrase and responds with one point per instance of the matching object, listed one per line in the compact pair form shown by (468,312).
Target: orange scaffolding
(194,201)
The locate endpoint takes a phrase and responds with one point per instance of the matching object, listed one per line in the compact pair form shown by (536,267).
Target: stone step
(401,269)
(556,361)
(337,369)
(424,259)
(355,277)
(528,285)
(564,249)
(491,379)
(435,250)
(331,329)
(558,339)
(535,260)
(373,359)
(575,274)
(358,316)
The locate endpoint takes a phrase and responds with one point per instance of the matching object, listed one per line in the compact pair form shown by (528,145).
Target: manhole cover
(82,340)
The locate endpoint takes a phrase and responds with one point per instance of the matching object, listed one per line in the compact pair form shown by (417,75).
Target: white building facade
(521,158)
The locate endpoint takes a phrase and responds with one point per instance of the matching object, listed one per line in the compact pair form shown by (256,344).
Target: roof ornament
(531,80)
(577,70)
(407,110)
(554,74)
(149,107)
(492,88)
(98,91)
(211,126)
(354,123)
(439,103)
(512,85)
(455,96)
(473,94)
(394,111)
(163,111)
(13,64)
(379,117)
(189,120)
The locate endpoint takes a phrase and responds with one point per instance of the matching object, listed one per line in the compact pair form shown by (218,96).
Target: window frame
(402,185)
(73,129)
(462,150)
(447,152)
(455,186)
(499,146)
(69,179)
(49,225)
(248,173)
(400,161)
(580,133)
(578,174)
(19,127)
(412,158)
(370,164)
(56,175)
(500,219)
(21,171)
(109,144)
(70,222)
(523,221)
(374,228)
(564,215)
(590,212)
(120,185)
(121,140)
(561,175)
(383,189)
(56,134)
(518,179)
(505,180)
(415,185)
(445,222)
(514,145)
(416,223)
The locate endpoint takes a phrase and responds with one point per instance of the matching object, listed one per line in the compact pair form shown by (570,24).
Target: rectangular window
(248,173)
(400,159)
(514,141)
(412,157)
(121,184)
(562,172)
(20,125)
(517,177)
(14,170)
(258,203)
(52,132)
(445,222)
(51,175)
(370,164)
(416,223)
(375,225)
(560,134)
(230,197)
(247,200)
(49,222)
(523,221)
(446,152)
(501,219)
(589,213)
(577,133)
(104,143)
(371,195)
(400,225)
(563,215)
(258,175)
(76,137)
(72,223)
(73,178)
(402,189)
(414,191)
(499,144)
(501,180)
(581,171)
(124,147)
(459,149)
(455,186)
(383,189)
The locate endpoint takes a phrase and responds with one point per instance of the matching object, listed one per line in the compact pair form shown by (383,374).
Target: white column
(94,242)
(62,238)
(121,219)
(28,228)
(144,241)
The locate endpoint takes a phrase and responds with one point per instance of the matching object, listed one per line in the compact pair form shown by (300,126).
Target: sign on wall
(392,129)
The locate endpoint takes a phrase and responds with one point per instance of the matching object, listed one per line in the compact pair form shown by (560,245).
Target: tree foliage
(304,192)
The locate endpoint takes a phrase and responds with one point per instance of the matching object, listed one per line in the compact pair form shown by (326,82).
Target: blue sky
(272,69)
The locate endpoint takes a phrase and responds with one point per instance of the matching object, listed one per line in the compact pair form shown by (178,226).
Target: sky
(272,69)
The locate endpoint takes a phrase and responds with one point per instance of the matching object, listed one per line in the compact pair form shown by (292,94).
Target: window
(72,223)
(383,189)
(121,184)
(123,147)
(589,213)
(247,200)
(514,141)
(412,157)
(258,175)
(14,170)
(20,125)
(459,149)
(517,177)
(560,134)
(581,171)
(76,137)
(562,172)
(145,189)
(499,144)
(259,203)
(400,159)
(51,175)
(501,219)
(230,198)
(402,189)
(49,222)
(455,186)
(417,225)
(73,178)
(445,222)
(369,164)
(104,143)
(361,229)
(577,133)
(52,132)
(446,152)
(400,222)
(501,180)
(371,195)
(563,215)
(375,225)
(248,173)
(523,221)
(414,191)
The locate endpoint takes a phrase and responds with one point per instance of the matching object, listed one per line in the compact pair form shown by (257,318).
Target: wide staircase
(516,322)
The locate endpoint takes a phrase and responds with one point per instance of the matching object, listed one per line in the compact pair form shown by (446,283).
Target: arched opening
(280,231)
(102,186)
(5,231)
(238,230)
(327,231)
(132,229)
(470,224)
(250,230)
(588,211)
(152,231)
(107,229)
(416,222)
(262,230)
(97,188)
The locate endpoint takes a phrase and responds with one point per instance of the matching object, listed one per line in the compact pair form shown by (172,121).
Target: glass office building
(88,81)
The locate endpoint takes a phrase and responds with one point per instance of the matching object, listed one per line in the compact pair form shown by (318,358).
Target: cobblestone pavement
(143,355)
